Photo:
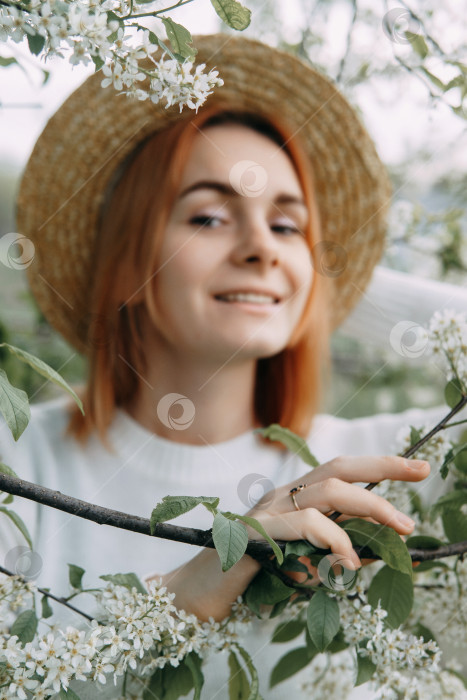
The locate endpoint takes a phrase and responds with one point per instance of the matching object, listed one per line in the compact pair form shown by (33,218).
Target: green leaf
(4,469)
(434,79)
(382,540)
(129,580)
(300,548)
(286,631)
(365,669)
(239,686)
(423,542)
(421,631)
(266,589)
(450,457)
(254,681)
(68,694)
(180,38)
(455,525)
(98,62)
(290,664)
(395,592)
(322,619)
(293,442)
(45,606)
(4,61)
(252,522)
(277,609)
(415,435)
(14,517)
(169,683)
(338,644)
(427,565)
(418,43)
(75,575)
(43,369)
(25,626)
(194,663)
(14,406)
(230,539)
(36,43)
(453,393)
(173,506)
(232,13)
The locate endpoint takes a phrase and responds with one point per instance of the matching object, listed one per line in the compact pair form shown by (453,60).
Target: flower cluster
(137,632)
(433,450)
(88,30)
(447,334)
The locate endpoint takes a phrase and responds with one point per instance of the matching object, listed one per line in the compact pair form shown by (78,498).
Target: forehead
(224,150)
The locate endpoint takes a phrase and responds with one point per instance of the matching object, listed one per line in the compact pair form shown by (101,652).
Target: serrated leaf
(288,665)
(232,13)
(286,631)
(14,406)
(43,369)
(230,539)
(293,442)
(266,589)
(180,38)
(75,575)
(36,43)
(45,607)
(173,506)
(395,591)
(15,518)
(239,686)
(365,669)
(322,619)
(382,540)
(129,580)
(453,393)
(252,522)
(25,626)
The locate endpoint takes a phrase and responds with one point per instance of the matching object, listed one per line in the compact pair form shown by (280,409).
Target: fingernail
(416,463)
(405,520)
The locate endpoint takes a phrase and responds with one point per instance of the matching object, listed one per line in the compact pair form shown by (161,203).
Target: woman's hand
(330,488)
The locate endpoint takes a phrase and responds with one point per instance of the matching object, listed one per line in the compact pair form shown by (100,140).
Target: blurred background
(402,65)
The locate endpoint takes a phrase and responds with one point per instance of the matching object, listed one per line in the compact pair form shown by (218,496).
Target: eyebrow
(224,188)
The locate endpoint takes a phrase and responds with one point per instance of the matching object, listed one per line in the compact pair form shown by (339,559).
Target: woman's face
(235,229)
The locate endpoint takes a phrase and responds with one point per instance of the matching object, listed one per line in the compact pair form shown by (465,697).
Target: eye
(204,220)
(285,228)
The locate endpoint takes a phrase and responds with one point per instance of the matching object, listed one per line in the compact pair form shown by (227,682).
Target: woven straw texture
(95,129)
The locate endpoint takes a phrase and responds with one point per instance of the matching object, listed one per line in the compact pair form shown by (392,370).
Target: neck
(217,403)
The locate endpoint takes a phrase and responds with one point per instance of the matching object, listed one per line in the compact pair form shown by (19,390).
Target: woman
(183,256)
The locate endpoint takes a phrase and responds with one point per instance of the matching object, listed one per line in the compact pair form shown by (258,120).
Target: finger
(333,494)
(369,469)
(310,524)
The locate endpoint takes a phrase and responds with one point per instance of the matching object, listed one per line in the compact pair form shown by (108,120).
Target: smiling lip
(263,292)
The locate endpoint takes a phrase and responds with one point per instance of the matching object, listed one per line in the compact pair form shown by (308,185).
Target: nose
(256,243)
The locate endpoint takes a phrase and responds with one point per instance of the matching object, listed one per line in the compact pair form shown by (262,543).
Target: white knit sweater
(145,468)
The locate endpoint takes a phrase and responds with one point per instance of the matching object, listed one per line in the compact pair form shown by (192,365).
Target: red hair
(288,385)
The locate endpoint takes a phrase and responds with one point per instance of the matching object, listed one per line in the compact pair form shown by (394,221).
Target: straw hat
(95,129)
